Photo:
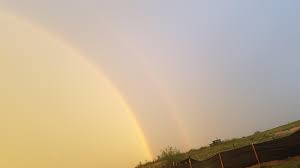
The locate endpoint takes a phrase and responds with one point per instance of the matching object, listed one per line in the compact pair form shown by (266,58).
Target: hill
(221,146)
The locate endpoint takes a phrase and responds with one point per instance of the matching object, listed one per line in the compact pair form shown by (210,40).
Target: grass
(258,137)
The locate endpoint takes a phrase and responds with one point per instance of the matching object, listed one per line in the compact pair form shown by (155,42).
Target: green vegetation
(258,137)
(170,154)
(167,155)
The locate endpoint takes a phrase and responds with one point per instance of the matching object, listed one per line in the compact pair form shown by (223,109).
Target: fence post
(256,156)
(221,161)
(190,162)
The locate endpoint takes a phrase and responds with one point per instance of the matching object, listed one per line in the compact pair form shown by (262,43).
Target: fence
(277,149)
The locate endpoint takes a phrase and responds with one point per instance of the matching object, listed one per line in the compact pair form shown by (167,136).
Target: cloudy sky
(189,71)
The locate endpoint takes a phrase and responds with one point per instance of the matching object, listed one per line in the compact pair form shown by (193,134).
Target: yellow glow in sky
(56,109)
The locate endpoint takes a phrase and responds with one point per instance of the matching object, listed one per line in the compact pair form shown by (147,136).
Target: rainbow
(163,89)
(76,52)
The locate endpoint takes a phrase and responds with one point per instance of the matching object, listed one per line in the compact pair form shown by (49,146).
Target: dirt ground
(278,162)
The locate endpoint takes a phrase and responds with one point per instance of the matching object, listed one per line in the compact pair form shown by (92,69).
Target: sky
(137,76)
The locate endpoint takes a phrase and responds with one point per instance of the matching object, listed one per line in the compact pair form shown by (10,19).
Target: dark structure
(187,161)
(277,149)
(216,142)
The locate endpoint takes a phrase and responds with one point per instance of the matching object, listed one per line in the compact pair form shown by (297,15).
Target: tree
(169,154)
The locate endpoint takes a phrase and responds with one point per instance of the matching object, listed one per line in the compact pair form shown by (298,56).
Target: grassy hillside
(258,137)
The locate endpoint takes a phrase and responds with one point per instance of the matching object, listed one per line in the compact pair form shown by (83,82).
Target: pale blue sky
(222,68)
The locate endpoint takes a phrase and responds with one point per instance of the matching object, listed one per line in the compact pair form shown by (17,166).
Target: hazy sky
(190,71)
